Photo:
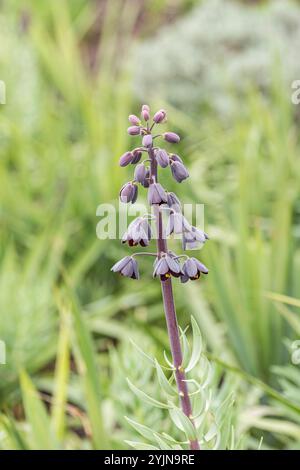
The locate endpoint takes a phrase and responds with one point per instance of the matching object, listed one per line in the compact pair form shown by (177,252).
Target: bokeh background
(74,70)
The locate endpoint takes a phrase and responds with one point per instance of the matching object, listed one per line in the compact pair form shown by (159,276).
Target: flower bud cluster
(166,264)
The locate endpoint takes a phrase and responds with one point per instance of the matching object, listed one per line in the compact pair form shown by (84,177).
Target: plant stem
(170,312)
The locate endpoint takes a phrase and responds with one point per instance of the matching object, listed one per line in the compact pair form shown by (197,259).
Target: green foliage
(213,410)
(220,49)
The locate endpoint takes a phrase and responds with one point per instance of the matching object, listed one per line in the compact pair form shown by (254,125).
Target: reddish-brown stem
(170,312)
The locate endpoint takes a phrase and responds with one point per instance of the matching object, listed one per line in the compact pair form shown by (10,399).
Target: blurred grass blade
(85,358)
(37,417)
(62,370)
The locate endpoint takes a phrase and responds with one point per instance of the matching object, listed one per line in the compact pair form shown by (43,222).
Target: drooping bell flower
(127,267)
(162,158)
(166,266)
(192,238)
(129,193)
(179,171)
(157,194)
(138,232)
(177,223)
(140,172)
(192,269)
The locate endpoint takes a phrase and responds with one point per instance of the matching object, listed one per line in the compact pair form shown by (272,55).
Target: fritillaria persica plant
(167,264)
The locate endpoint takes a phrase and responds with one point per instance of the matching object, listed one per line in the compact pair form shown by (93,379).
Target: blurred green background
(73,71)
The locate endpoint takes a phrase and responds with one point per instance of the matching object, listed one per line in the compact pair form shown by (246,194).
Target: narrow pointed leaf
(146,398)
(197,346)
(163,381)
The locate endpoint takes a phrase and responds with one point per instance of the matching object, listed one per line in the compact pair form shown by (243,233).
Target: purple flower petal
(173,264)
(175,158)
(156,194)
(127,192)
(127,271)
(161,267)
(134,130)
(201,267)
(140,172)
(146,182)
(126,158)
(179,171)
(137,155)
(135,274)
(170,225)
(184,278)
(162,158)
(147,140)
(120,264)
(135,194)
(190,268)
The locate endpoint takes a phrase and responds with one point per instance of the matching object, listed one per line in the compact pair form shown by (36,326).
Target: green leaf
(163,381)
(140,445)
(150,359)
(197,346)
(61,377)
(146,398)
(185,348)
(141,428)
(16,438)
(162,444)
(35,411)
(183,423)
(168,361)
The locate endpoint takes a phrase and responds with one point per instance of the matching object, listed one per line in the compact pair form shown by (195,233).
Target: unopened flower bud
(145,112)
(134,120)
(179,171)
(171,137)
(147,140)
(128,193)
(140,172)
(162,158)
(159,116)
(145,115)
(126,159)
(134,130)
